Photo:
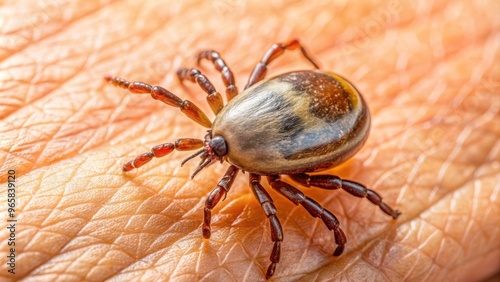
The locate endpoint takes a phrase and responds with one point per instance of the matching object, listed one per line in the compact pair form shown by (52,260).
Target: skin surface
(429,73)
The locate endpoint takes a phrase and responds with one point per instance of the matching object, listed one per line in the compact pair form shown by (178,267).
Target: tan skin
(428,74)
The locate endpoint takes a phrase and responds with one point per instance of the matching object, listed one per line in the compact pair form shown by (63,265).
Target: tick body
(295,122)
(292,124)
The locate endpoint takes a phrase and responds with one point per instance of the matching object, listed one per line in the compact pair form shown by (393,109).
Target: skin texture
(427,72)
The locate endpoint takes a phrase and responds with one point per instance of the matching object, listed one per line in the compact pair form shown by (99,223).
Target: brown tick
(291,124)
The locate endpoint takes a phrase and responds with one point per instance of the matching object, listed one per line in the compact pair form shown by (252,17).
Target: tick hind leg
(313,207)
(214,197)
(260,70)
(184,144)
(270,210)
(162,94)
(214,99)
(221,66)
(332,182)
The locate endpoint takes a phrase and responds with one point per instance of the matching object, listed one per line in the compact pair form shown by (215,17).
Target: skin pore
(427,72)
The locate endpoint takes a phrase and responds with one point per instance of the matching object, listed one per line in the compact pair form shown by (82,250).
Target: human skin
(427,72)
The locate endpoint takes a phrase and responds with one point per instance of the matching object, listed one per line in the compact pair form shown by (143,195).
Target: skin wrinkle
(143,34)
(275,68)
(33,22)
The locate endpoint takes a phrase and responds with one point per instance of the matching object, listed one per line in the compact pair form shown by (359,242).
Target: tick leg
(270,210)
(220,65)
(259,72)
(162,94)
(184,144)
(313,207)
(214,99)
(332,182)
(215,196)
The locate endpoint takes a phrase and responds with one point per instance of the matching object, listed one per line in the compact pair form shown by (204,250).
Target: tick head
(218,146)
(215,149)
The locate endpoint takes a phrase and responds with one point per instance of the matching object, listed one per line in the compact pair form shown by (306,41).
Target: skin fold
(429,73)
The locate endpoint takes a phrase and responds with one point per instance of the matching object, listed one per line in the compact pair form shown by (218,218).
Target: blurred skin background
(429,72)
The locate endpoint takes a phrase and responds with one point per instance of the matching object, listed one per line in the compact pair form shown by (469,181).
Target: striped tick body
(307,120)
(292,124)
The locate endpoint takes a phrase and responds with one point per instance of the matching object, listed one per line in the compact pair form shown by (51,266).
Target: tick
(292,124)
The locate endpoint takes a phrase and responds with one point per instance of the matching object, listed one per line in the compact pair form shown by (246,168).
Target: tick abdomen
(295,122)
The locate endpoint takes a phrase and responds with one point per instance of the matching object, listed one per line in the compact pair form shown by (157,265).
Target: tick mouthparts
(202,166)
(193,155)
(205,160)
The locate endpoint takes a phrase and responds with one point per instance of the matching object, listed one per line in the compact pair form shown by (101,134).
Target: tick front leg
(184,144)
(162,94)
(270,210)
(214,197)
(260,70)
(214,99)
(332,182)
(313,207)
(220,65)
